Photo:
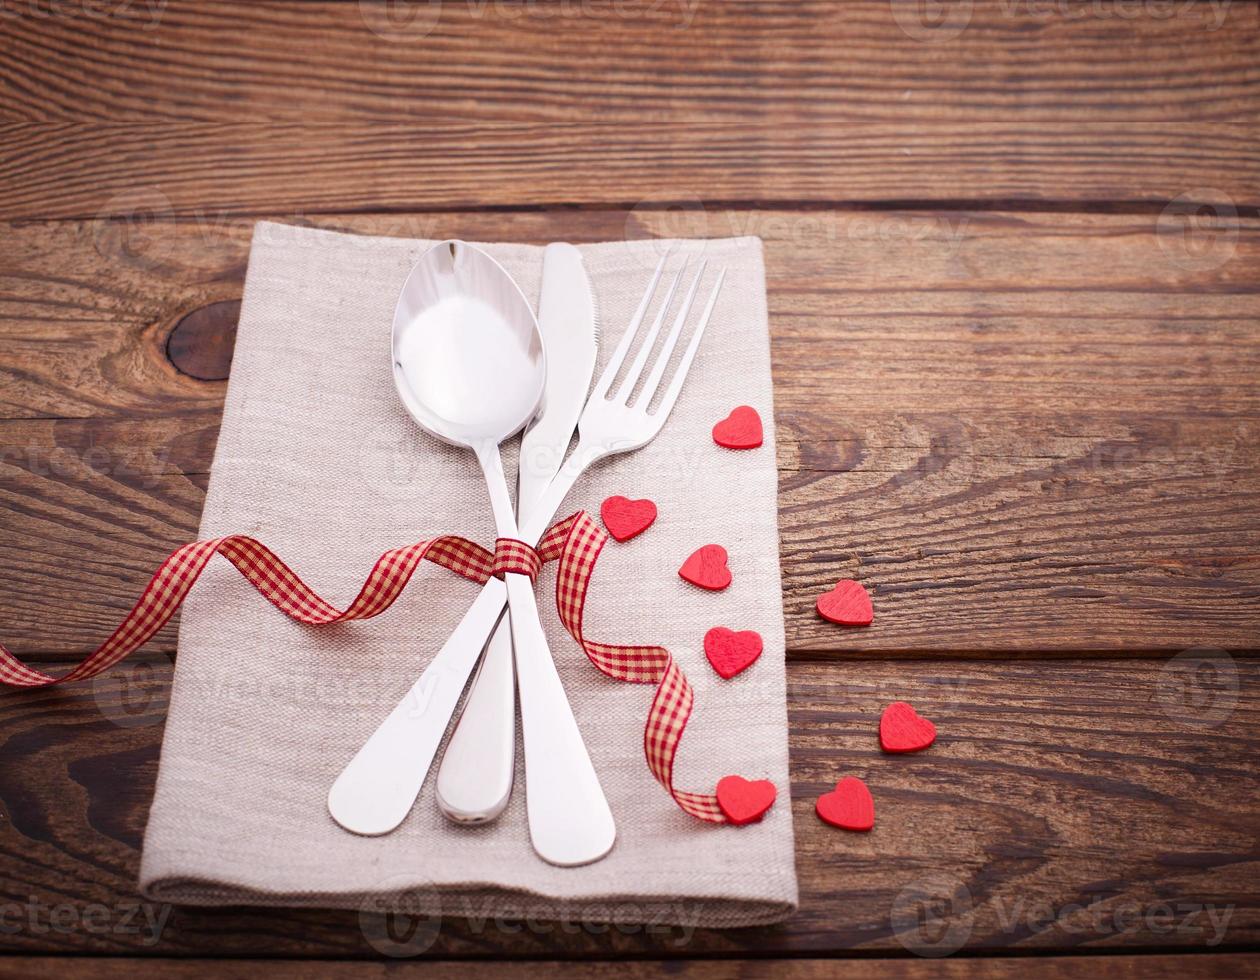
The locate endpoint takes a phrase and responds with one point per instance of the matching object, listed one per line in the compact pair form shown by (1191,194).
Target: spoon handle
(378,787)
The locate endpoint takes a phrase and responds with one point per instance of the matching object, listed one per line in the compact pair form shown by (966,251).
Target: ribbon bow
(574,542)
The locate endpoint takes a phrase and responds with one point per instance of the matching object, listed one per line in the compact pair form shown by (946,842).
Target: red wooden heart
(743,801)
(707,568)
(849,806)
(739,430)
(626,518)
(847,604)
(901,729)
(731,652)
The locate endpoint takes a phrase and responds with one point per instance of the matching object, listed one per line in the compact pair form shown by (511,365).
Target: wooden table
(1014,270)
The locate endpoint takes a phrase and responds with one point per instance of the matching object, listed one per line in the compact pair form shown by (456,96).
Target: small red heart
(847,604)
(849,806)
(901,729)
(626,518)
(743,801)
(731,652)
(739,430)
(707,568)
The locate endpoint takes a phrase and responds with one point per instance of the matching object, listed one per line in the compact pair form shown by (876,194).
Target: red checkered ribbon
(511,555)
(575,542)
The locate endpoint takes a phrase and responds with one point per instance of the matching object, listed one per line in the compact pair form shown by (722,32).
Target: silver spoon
(469,366)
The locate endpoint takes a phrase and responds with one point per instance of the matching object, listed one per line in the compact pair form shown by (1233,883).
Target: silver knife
(475,779)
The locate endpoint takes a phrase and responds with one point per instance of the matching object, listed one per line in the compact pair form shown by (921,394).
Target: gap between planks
(1015,205)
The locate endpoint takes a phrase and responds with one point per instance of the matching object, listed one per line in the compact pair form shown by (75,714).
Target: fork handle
(542,513)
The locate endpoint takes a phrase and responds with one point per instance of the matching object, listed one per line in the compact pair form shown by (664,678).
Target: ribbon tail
(273,579)
(577,542)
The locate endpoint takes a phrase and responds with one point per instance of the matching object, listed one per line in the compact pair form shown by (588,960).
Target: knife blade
(475,778)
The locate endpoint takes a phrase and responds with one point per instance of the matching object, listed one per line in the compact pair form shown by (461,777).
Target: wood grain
(1013,270)
(1065,805)
(1226,966)
(1025,433)
(330,107)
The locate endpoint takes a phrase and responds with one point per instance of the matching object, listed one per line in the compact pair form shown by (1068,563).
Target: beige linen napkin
(319,460)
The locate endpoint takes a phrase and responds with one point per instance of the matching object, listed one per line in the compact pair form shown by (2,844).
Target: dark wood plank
(1227,966)
(1023,433)
(322,61)
(1087,806)
(322,107)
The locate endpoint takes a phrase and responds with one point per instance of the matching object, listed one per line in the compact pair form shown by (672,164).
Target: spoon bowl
(467,350)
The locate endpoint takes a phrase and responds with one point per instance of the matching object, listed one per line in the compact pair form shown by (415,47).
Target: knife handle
(570,822)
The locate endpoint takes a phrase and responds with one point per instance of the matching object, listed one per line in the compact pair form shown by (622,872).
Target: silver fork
(377,789)
(611,425)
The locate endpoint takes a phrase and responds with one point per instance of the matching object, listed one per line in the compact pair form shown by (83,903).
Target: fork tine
(623,346)
(689,355)
(640,359)
(667,349)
